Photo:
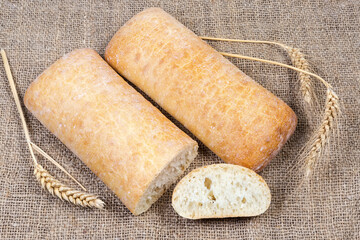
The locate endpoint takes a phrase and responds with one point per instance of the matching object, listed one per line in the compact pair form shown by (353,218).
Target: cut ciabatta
(220,191)
(126,141)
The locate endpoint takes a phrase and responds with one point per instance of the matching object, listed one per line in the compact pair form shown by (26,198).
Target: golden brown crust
(114,130)
(235,117)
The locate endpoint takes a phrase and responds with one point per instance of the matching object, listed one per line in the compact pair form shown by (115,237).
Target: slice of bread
(220,191)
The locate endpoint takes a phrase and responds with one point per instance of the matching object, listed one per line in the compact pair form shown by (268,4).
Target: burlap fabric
(35,34)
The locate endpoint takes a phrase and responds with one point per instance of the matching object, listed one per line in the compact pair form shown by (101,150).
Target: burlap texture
(35,34)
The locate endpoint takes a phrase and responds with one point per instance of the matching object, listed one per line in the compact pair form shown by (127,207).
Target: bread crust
(114,130)
(239,120)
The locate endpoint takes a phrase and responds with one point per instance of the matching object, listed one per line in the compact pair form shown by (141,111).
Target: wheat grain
(55,187)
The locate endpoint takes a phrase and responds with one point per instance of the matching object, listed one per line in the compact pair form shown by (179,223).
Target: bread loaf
(133,148)
(219,191)
(239,120)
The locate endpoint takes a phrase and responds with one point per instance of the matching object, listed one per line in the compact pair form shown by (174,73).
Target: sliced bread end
(166,178)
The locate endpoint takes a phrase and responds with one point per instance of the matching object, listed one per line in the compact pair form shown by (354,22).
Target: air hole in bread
(211,196)
(243,200)
(207,183)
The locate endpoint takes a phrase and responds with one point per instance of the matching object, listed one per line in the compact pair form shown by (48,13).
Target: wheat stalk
(47,181)
(55,187)
(328,85)
(298,60)
(45,155)
(318,141)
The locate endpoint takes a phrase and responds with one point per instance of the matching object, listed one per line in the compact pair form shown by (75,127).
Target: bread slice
(220,191)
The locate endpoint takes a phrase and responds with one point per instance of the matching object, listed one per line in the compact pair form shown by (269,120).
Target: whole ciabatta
(220,191)
(231,114)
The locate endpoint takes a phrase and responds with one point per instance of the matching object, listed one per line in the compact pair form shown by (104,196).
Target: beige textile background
(36,33)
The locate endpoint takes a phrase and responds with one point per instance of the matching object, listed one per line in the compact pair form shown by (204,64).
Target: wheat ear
(48,182)
(298,60)
(320,138)
(55,187)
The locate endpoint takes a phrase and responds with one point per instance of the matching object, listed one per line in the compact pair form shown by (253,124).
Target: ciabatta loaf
(239,120)
(220,191)
(127,142)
